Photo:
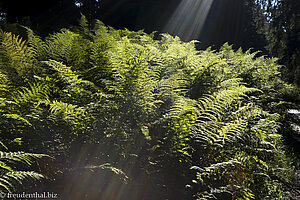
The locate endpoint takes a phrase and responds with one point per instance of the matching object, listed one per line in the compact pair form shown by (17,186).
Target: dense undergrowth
(117,114)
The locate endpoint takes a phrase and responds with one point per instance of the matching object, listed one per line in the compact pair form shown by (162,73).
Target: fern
(103,42)
(67,47)
(17,50)
(69,112)
(59,45)
(107,166)
(17,59)
(37,44)
(10,176)
(26,158)
(206,119)
(17,117)
(36,92)
(19,104)
(65,72)
(84,27)
(67,75)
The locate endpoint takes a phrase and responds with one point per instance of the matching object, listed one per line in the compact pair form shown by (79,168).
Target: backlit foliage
(123,110)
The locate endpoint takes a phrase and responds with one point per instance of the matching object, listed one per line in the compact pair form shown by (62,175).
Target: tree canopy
(281,26)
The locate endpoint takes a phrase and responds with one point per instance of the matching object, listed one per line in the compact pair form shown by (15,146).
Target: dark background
(228,20)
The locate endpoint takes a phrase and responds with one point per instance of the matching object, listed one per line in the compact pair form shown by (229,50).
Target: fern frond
(26,158)
(232,130)
(67,111)
(17,50)
(3,79)
(108,166)
(36,92)
(21,176)
(58,106)
(6,184)
(67,74)
(17,117)
(10,177)
(84,27)
(183,105)
(37,44)
(59,46)
(222,166)
(3,87)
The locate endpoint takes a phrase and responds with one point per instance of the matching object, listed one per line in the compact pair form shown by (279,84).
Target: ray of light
(189,18)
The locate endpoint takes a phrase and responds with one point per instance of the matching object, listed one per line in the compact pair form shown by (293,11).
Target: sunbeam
(188,19)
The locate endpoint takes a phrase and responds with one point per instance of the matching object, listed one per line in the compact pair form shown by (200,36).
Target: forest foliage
(278,21)
(116,114)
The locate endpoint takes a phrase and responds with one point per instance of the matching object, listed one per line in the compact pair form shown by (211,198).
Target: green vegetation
(278,20)
(126,116)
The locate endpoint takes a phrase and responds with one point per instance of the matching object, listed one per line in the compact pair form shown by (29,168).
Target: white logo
(2,195)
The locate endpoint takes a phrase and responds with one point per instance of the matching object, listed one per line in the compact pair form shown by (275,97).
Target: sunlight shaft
(189,18)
